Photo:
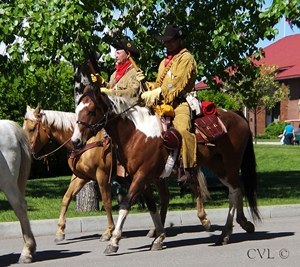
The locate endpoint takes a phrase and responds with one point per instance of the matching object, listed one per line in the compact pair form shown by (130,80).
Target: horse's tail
(26,160)
(249,176)
(203,185)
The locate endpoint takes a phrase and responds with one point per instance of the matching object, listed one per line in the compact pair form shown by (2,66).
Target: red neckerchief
(121,69)
(171,55)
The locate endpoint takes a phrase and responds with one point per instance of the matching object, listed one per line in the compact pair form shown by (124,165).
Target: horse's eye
(31,130)
(91,113)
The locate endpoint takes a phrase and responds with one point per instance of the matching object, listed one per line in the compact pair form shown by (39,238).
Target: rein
(49,137)
(104,120)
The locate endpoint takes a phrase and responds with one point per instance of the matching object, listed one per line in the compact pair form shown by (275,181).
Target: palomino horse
(15,163)
(93,164)
(137,133)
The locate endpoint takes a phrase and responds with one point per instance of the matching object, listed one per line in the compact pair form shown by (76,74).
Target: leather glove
(105,90)
(140,75)
(150,97)
(97,78)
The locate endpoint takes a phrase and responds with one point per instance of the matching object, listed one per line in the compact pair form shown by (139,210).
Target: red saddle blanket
(208,128)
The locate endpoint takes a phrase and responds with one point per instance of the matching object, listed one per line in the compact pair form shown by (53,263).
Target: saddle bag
(209,127)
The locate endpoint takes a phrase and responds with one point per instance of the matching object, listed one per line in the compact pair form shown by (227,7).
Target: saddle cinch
(208,127)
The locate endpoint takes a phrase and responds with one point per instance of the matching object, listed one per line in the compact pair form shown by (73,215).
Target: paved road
(276,242)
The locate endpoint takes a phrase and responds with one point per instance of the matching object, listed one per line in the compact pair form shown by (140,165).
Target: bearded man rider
(176,78)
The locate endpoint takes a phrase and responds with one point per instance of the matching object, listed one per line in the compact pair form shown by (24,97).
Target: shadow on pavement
(40,256)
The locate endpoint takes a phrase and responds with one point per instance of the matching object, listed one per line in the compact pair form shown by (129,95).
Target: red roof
(283,53)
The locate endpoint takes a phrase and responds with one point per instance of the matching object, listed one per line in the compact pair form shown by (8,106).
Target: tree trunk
(87,198)
(255,127)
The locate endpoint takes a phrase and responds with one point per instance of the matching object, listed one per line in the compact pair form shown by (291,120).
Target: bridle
(104,120)
(36,134)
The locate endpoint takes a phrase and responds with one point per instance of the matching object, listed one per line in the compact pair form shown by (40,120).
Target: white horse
(15,164)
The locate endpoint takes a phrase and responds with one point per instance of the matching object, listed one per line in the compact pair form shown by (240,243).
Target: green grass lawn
(278,171)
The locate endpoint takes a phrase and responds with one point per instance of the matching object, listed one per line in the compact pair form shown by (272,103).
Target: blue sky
(283,28)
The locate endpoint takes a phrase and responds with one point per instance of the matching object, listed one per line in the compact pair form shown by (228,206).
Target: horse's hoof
(222,241)
(151,233)
(207,225)
(104,238)
(111,249)
(250,228)
(156,246)
(59,238)
(25,259)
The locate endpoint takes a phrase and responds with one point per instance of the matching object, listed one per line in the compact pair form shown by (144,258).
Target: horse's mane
(142,117)
(58,119)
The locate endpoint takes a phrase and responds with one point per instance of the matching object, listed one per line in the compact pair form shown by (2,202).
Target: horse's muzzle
(77,144)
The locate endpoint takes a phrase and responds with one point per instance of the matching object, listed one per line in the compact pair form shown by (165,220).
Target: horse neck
(61,136)
(121,131)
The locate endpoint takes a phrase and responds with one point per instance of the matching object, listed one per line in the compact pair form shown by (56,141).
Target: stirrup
(186,177)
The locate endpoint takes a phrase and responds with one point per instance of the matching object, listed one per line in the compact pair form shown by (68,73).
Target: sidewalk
(139,221)
(268,143)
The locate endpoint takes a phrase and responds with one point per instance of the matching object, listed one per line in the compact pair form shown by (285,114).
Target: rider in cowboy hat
(123,81)
(176,78)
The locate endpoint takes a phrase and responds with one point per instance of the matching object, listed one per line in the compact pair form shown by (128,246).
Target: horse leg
(134,191)
(157,244)
(233,204)
(200,207)
(75,185)
(164,196)
(240,216)
(105,190)
(19,206)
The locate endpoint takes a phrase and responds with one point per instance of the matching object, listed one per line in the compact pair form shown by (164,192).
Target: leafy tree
(221,99)
(52,88)
(221,33)
(263,95)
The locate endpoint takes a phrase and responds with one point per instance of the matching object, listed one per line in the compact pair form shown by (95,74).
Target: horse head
(92,115)
(34,129)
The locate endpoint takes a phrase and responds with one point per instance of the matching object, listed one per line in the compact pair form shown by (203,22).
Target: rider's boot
(187,176)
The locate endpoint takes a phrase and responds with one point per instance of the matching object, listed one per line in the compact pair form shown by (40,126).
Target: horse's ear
(86,88)
(37,110)
(97,91)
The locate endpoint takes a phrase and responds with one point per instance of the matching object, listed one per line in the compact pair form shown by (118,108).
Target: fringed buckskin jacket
(128,86)
(177,78)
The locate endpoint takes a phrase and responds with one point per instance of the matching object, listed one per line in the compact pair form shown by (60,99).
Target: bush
(274,129)
(264,136)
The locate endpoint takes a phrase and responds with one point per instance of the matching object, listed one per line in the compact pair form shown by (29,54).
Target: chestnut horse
(137,133)
(15,163)
(93,164)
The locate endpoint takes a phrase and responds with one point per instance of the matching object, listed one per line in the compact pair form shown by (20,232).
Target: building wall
(260,122)
(289,108)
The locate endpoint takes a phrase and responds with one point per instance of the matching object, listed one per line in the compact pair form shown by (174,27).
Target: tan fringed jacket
(177,79)
(128,86)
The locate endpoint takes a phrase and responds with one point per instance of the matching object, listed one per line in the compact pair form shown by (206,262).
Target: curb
(139,221)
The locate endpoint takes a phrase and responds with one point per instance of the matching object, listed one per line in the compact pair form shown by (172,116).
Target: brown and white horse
(137,133)
(93,164)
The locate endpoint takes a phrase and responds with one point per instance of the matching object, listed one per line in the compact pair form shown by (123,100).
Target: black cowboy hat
(129,46)
(171,31)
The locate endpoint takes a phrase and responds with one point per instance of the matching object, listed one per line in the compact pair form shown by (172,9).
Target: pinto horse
(93,164)
(15,163)
(41,125)
(137,133)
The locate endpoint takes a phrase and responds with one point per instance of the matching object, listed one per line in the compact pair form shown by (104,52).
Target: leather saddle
(207,128)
